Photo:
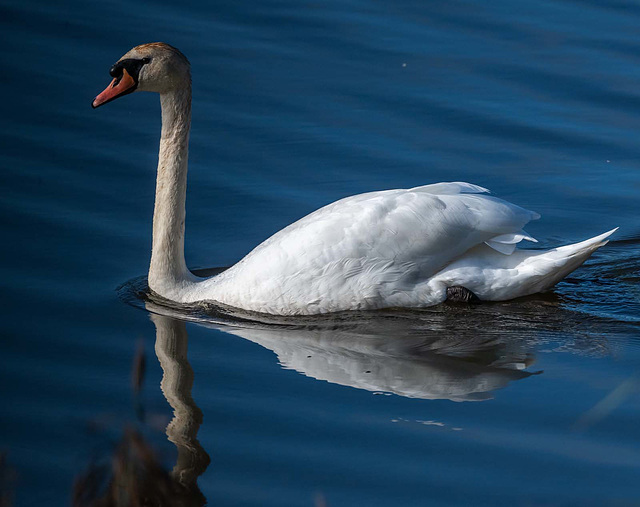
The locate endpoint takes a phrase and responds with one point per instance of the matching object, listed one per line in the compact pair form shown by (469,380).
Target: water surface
(297,104)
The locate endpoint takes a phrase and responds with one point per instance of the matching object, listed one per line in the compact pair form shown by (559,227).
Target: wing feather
(451,188)
(372,246)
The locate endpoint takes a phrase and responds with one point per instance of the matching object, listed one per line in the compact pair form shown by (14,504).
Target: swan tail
(553,265)
(494,276)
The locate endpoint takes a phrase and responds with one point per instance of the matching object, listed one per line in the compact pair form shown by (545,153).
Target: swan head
(154,67)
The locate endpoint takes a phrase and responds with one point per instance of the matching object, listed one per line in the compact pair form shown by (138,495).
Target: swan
(407,248)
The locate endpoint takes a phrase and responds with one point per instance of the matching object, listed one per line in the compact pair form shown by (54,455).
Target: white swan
(395,248)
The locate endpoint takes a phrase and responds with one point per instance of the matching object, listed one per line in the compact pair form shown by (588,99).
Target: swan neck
(168,268)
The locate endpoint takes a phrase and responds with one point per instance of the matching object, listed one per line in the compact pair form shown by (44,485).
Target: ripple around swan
(603,296)
(450,351)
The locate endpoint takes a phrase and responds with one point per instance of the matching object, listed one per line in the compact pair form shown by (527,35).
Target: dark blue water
(297,104)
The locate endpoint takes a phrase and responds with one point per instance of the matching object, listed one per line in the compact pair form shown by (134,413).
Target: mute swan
(396,248)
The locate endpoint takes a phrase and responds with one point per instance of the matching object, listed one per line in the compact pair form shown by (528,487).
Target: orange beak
(117,88)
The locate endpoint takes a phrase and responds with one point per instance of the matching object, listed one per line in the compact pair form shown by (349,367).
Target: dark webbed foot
(460,294)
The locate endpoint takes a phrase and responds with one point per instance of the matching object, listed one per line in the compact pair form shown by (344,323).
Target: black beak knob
(115,70)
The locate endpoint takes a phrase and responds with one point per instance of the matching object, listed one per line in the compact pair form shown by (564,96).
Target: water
(297,104)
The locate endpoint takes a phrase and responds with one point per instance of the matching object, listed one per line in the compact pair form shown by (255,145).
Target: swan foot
(460,294)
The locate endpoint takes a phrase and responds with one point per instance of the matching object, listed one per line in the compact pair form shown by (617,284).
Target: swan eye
(146,59)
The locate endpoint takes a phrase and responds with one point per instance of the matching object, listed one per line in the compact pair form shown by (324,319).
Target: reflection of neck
(177,381)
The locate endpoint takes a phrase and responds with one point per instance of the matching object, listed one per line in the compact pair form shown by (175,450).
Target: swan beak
(118,87)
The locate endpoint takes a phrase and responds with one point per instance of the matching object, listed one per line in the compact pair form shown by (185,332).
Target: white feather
(506,243)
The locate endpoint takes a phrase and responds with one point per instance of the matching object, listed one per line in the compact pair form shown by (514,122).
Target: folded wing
(370,250)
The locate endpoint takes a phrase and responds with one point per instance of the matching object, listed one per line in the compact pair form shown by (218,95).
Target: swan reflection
(458,353)
(374,354)
(177,382)
(133,474)
(411,366)
(427,357)
(453,352)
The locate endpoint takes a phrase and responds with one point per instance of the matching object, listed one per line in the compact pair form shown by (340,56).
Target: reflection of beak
(118,87)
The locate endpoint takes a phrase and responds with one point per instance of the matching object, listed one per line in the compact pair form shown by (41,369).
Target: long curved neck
(168,266)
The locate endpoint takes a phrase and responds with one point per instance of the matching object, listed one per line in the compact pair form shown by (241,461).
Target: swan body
(394,248)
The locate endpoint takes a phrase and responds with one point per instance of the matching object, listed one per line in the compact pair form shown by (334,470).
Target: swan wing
(367,251)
